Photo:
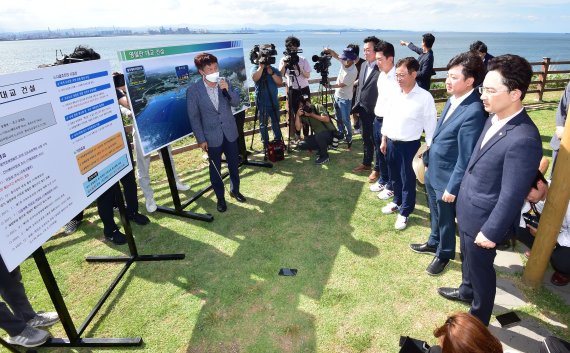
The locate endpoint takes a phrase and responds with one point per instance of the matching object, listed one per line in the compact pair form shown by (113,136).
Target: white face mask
(213,77)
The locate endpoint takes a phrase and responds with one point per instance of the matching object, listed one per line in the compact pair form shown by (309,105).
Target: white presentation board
(62,144)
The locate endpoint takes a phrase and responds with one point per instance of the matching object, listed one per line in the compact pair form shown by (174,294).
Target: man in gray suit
(456,133)
(209,103)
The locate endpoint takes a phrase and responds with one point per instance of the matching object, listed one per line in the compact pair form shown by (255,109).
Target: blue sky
(422,15)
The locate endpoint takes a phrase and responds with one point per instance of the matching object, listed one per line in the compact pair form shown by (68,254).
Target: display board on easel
(62,144)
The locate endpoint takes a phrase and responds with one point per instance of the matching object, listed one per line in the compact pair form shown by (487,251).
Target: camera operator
(560,259)
(321,125)
(297,70)
(344,90)
(267,79)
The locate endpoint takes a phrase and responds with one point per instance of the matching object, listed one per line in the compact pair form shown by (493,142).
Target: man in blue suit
(209,103)
(456,133)
(496,181)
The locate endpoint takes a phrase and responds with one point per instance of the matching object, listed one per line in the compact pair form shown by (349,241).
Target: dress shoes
(222,207)
(238,196)
(452,294)
(373,176)
(559,279)
(361,168)
(423,248)
(437,266)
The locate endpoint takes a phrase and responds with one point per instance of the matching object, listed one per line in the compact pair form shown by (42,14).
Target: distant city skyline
(546,16)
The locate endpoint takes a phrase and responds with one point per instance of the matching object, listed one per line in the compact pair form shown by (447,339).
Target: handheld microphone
(224,91)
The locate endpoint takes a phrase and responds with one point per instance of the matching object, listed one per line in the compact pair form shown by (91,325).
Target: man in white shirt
(560,259)
(412,111)
(387,86)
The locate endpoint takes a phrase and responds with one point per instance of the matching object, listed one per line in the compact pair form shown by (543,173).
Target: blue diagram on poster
(157,79)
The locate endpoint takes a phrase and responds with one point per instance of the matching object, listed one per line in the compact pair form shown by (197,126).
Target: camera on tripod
(322,63)
(291,57)
(263,54)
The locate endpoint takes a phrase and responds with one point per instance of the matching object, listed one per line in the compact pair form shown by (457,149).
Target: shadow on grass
(246,305)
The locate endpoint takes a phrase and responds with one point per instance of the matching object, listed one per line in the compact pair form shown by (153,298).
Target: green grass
(358,288)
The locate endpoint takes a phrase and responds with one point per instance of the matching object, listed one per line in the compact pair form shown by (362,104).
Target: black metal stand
(8,346)
(74,338)
(178,209)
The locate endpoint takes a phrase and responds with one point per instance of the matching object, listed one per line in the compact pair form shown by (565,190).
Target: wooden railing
(545,70)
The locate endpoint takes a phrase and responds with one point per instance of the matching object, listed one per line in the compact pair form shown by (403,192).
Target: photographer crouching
(267,78)
(526,232)
(322,127)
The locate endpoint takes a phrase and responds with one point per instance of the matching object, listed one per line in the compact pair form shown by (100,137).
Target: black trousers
(106,201)
(319,142)
(560,259)
(13,296)
(367,128)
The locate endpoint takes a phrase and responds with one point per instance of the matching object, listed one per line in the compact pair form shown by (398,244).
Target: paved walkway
(527,335)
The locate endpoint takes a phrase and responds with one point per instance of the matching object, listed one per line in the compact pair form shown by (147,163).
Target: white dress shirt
(454,103)
(410,114)
(496,125)
(387,87)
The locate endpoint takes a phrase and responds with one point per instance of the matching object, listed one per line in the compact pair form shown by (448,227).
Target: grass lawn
(358,288)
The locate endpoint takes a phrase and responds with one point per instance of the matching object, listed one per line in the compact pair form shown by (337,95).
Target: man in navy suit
(209,103)
(496,181)
(366,96)
(456,133)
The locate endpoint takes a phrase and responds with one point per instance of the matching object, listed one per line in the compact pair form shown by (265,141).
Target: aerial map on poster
(157,79)
(62,144)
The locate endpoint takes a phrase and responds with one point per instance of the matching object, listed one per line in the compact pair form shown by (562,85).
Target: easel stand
(178,209)
(240,121)
(74,338)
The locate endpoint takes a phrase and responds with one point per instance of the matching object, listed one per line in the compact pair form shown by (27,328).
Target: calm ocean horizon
(25,55)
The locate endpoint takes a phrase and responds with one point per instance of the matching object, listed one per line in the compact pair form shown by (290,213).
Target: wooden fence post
(542,77)
(552,216)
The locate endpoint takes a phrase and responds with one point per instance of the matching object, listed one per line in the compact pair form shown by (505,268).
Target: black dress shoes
(452,294)
(238,196)
(222,207)
(423,248)
(436,266)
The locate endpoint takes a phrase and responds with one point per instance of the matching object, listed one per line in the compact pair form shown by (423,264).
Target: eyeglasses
(401,76)
(490,91)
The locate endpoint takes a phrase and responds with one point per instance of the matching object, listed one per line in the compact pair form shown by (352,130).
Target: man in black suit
(366,96)
(425,59)
(496,181)
(456,133)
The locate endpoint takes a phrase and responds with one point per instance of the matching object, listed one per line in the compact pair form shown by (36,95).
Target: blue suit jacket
(498,179)
(366,91)
(211,123)
(453,142)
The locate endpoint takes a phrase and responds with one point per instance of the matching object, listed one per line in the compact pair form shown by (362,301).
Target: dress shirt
(496,125)
(369,68)
(454,103)
(409,115)
(300,81)
(387,86)
(213,94)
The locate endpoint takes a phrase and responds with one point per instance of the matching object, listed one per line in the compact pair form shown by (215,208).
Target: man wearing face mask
(209,103)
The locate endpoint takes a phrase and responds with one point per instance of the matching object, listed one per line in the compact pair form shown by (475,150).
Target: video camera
(263,54)
(291,57)
(322,63)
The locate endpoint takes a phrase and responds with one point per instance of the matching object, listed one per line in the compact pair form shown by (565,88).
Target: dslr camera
(322,63)
(291,57)
(305,104)
(263,54)
(530,219)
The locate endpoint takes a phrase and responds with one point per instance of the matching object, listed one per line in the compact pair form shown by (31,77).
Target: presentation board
(62,144)
(157,79)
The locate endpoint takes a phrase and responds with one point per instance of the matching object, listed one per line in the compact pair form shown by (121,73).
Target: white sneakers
(390,208)
(182,187)
(151,205)
(377,187)
(401,222)
(385,194)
